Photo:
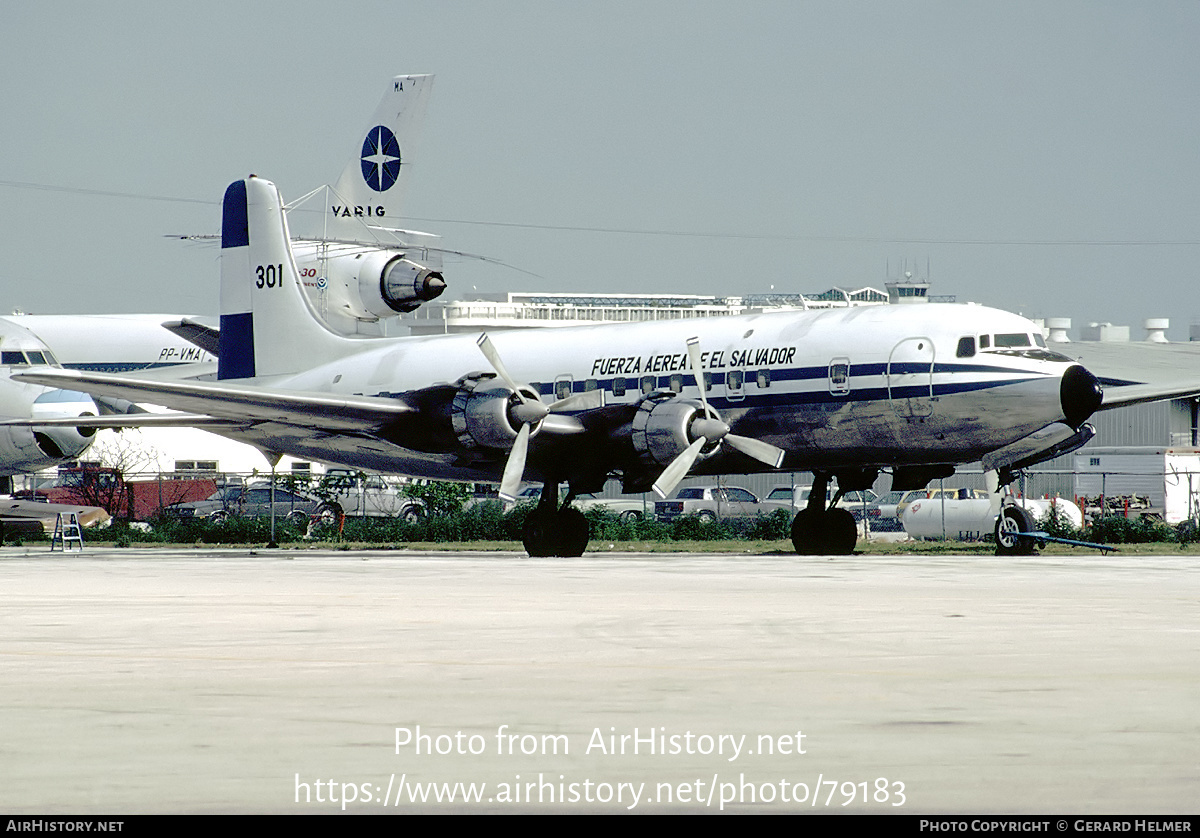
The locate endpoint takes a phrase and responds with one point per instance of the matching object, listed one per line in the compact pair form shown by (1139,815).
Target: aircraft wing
(1126,395)
(231,403)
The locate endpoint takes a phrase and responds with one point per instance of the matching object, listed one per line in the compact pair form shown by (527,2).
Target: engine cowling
(26,449)
(367,285)
(482,413)
(661,429)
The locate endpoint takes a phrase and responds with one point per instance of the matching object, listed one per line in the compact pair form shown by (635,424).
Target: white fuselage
(870,386)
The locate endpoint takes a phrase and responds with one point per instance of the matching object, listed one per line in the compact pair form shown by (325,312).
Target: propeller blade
(677,469)
(764,452)
(514,469)
(489,352)
(693,350)
(589,400)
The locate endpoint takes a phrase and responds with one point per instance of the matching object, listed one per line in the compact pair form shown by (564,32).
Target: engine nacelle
(482,415)
(661,428)
(365,284)
(26,449)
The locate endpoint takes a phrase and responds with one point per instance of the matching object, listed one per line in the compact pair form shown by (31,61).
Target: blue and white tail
(267,324)
(370,188)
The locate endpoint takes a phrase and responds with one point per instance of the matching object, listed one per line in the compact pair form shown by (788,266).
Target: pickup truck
(712,503)
(357,495)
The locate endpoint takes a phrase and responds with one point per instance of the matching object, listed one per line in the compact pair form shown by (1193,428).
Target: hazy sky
(1042,157)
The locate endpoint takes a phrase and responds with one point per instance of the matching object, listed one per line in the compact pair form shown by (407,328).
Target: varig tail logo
(380,159)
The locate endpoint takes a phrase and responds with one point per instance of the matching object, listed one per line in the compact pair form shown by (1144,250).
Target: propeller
(529,411)
(708,430)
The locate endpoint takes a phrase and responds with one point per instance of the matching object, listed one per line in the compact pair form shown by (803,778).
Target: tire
(411,514)
(806,532)
(841,532)
(706,516)
(573,533)
(538,533)
(1012,521)
(330,513)
(830,533)
(218,517)
(297,518)
(629,516)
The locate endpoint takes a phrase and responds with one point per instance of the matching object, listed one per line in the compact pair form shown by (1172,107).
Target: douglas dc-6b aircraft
(841,393)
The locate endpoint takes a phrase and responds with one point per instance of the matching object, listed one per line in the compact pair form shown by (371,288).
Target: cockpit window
(1010,341)
(966,347)
(1039,340)
(36,358)
(12,359)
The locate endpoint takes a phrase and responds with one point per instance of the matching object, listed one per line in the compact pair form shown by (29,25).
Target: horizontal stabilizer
(240,403)
(195,332)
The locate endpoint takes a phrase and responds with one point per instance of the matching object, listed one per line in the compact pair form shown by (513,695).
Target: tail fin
(267,324)
(371,185)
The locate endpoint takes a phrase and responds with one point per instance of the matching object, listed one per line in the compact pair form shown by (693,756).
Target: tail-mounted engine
(367,284)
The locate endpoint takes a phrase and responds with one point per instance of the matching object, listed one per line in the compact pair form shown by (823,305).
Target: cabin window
(648,383)
(966,347)
(985,341)
(707,381)
(618,387)
(590,384)
(734,380)
(764,379)
(562,388)
(839,376)
(677,382)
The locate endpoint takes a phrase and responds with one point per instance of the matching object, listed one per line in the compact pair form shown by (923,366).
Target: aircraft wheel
(829,533)
(806,533)
(573,532)
(538,534)
(1012,521)
(841,532)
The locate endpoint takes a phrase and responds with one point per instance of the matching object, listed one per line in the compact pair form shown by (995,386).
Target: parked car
(627,509)
(250,502)
(796,497)
(713,503)
(361,495)
(969,515)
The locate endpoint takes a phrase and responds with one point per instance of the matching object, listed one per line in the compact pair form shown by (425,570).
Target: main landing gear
(551,530)
(818,531)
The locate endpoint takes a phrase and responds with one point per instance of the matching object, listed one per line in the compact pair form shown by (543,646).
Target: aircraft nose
(1080,395)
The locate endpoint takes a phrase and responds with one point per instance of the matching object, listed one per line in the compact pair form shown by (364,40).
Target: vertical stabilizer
(267,325)
(372,184)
